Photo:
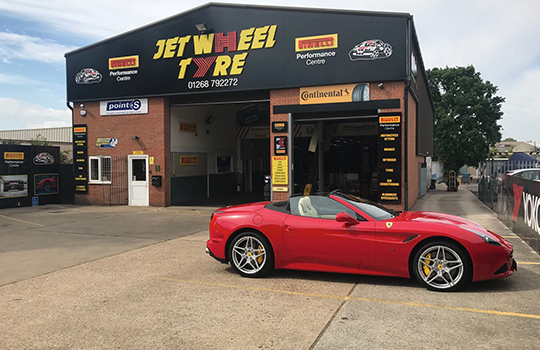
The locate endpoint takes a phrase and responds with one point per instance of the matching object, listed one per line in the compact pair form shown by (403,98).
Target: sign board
(247,49)
(187,127)
(280,145)
(189,160)
(128,106)
(334,94)
(389,158)
(80,158)
(280,170)
(280,126)
(107,142)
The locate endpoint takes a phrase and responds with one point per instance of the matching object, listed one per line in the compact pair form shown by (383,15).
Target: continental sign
(189,160)
(14,155)
(124,62)
(320,42)
(327,94)
(237,45)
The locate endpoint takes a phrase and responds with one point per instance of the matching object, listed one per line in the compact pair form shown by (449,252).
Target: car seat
(306,209)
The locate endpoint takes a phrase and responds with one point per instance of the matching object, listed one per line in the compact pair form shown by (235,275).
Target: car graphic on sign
(48,184)
(88,76)
(371,50)
(43,158)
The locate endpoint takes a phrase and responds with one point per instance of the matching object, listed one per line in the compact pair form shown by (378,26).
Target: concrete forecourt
(76,277)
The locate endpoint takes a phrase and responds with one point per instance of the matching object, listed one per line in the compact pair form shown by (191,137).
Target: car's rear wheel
(442,266)
(47,186)
(251,255)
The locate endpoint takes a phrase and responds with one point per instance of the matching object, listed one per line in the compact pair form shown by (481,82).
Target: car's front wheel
(442,266)
(251,255)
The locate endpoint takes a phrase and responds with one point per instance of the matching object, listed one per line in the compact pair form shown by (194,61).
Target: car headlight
(485,237)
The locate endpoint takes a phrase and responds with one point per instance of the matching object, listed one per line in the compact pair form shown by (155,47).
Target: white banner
(128,106)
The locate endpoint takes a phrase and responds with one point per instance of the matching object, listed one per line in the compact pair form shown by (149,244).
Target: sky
(500,38)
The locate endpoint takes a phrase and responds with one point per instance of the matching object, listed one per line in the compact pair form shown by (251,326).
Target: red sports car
(343,233)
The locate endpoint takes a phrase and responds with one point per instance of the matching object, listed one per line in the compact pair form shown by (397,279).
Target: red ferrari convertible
(346,234)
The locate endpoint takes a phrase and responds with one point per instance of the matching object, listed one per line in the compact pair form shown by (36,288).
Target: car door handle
(289,228)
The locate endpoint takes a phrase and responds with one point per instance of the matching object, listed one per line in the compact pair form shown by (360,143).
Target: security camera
(82,105)
(381,85)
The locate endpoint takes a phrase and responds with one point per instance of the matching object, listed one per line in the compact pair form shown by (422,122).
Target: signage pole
(291,156)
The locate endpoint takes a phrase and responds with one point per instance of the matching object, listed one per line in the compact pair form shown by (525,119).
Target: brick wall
(153,132)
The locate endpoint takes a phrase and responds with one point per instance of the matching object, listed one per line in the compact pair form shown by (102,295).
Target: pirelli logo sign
(319,42)
(124,62)
(385,120)
(14,155)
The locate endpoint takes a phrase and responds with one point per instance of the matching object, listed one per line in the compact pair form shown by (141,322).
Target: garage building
(200,107)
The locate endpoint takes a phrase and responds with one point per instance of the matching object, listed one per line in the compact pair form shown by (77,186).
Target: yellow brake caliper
(260,258)
(427,270)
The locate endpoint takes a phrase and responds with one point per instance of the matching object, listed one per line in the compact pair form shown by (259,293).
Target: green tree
(466,113)
(509,139)
(40,141)
(11,142)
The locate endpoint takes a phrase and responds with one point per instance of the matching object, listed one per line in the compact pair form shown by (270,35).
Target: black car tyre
(251,255)
(47,186)
(375,54)
(442,266)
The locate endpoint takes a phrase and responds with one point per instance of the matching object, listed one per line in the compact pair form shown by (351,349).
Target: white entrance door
(138,180)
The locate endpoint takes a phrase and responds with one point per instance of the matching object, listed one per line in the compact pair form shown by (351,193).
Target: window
(100,169)
(319,207)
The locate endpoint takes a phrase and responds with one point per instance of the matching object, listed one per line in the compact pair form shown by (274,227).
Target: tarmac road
(133,293)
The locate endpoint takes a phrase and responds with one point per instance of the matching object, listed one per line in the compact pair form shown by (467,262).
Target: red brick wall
(277,98)
(153,132)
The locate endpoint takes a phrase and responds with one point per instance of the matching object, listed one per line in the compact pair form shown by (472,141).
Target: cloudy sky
(500,38)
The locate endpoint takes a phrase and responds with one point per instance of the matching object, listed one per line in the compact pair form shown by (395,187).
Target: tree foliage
(466,113)
(40,140)
(510,139)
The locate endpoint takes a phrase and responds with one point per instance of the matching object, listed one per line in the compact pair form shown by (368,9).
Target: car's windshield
(373,209)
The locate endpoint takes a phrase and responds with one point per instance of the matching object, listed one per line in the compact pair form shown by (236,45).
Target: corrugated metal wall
(63,134)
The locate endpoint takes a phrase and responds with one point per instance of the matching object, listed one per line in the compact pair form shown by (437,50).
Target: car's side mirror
(346,218)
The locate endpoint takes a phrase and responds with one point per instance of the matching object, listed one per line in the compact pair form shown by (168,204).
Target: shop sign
(189,160)
(389,158)
(280,170)
(319,42)
(187,127)
(280,189)
(14,155)
(334,94)
(280,145)
(107,142)
(80,158)
(138,153)
(119,107)
(280,126)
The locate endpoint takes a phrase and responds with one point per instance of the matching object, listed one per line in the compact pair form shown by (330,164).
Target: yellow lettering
(270,42)
(161,46)
(183,65)
(182,45)
(238,64)
(245,39)
(170,47)
(222,63)
(203,43)
(259,37)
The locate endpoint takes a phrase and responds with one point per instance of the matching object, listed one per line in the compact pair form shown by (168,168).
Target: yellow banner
(124,62)
(327,94)
(189,160)
(280,170)
(14,155)
(319,42)
(389,120)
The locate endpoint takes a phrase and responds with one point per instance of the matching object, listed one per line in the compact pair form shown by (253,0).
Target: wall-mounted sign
(334,94)
(280,145)
(280,189)
(280,126)
(187,127)
(107,142)
(280,170)
(189,160)
(14,155)
(246,49)
(80,158)
(389,158)
(131,106)
(138,153)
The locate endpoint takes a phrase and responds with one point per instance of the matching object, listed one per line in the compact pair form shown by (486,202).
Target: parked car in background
(10,185)
(528,174)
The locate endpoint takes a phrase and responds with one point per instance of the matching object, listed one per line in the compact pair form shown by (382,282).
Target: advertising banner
(240,49)
(80,158)
(521,203)
(389,158)
(132,106)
